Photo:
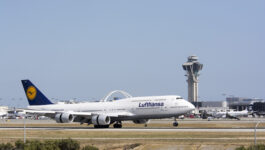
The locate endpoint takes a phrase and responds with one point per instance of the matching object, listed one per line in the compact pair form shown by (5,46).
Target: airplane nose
(191,106)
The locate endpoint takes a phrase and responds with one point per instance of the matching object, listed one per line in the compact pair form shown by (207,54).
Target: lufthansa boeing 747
(103,114)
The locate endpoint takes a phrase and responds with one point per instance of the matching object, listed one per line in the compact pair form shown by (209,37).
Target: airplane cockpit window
(179,98)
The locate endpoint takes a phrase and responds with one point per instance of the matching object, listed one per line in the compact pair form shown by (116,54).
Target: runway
(137,129)
(162,137)
(160,121)
(164,125)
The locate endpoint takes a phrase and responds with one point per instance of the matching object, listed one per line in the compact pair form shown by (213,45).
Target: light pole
(24,121)
(255,139)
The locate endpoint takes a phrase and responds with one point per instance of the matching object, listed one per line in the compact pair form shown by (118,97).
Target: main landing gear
(101,126)
(118,124)
(175,123)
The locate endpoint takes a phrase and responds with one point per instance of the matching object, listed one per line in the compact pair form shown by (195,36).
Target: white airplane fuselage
(139,107)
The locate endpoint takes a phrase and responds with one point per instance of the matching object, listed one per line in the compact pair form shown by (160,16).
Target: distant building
(209,104)
(241,103)
(212,103)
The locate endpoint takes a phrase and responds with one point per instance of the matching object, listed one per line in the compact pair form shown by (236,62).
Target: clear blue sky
(85,49)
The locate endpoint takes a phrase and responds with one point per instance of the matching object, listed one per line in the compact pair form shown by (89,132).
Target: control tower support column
(192,68)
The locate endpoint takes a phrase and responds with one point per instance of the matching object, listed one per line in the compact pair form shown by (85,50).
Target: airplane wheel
(101,126)
(175,124)
(117,125)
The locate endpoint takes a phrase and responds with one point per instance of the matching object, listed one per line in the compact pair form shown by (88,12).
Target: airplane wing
(79,114)
(115,114)
(46,113)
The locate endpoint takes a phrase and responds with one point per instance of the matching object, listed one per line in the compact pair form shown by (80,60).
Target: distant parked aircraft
(3,112)
(230,114)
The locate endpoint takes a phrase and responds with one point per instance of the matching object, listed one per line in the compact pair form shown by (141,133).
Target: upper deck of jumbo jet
(172,97)
(131,99)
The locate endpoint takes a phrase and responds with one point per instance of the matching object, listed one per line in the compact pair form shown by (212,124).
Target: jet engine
(100,120)
(64,118)
(141,121)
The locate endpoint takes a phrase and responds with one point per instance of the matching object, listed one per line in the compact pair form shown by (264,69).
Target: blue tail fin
(34,95)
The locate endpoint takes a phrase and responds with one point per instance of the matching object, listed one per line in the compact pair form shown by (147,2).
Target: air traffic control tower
(192,68)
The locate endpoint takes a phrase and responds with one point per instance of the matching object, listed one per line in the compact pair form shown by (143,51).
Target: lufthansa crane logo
(31,92)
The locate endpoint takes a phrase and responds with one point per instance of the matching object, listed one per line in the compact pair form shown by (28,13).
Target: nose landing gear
(175,123)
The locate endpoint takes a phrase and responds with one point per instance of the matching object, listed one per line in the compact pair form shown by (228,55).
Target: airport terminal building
(240,103)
